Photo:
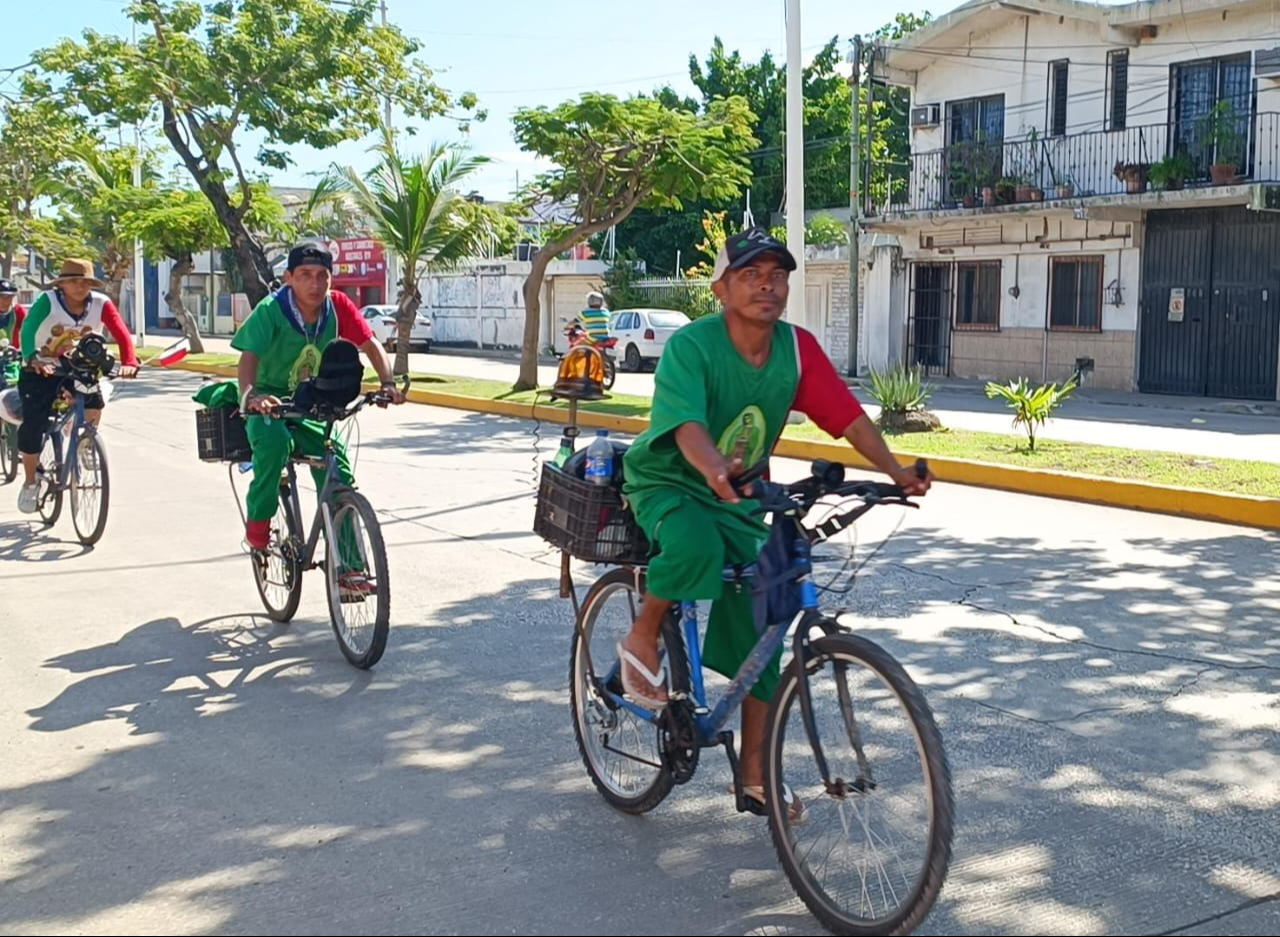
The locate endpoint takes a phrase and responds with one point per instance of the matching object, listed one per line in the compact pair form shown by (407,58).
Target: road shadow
(233,767)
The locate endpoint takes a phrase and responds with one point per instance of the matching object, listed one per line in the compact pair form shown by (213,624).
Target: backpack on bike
(338,380)
(774,597)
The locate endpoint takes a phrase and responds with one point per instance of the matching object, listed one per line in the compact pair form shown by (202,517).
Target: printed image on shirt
(745,437)
(305,366)
(62,339)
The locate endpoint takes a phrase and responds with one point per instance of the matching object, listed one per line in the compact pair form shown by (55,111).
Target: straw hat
(76,269)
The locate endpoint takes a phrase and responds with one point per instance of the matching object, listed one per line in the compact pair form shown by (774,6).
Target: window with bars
(978,295)
(1076,294)
(1058,98)
(1117,88)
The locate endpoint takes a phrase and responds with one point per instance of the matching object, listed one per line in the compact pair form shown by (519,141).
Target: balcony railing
(1209,150)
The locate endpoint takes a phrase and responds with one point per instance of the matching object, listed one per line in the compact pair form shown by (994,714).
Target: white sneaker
(29,499)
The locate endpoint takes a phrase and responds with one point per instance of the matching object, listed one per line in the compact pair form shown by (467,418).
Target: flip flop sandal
(655,681)
(753,799)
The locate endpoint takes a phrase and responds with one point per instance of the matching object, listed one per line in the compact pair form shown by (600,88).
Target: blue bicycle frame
(711,722)
(66,461)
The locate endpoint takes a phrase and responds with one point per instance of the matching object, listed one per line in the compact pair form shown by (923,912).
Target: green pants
(273,441)
(695,540)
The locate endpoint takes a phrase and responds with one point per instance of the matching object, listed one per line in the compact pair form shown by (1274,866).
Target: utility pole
(796,311)
(139,300)
(387,103)
(855,198)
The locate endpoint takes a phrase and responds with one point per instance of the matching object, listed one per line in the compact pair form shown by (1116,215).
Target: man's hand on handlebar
(265,404)
(391,394)
(720,475)
(910,479)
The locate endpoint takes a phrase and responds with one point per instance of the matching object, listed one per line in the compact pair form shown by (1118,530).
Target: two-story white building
(1090,185)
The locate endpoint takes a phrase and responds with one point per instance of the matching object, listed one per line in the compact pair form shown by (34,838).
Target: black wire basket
(589,522)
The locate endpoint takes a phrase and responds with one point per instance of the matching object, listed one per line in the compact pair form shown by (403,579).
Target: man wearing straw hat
(69,309)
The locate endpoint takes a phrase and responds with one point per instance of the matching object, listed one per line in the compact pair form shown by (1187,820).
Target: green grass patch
(1232,476)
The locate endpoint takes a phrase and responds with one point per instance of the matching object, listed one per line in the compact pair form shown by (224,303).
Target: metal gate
(929,322)
(1211,303)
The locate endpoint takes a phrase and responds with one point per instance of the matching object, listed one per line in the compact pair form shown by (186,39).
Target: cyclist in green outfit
(724,388)
(280,344)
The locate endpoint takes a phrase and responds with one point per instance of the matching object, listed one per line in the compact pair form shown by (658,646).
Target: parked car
(382,321)
(643,333)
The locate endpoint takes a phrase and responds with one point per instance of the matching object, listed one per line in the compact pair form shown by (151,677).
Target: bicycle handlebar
(286,408)
(825,478)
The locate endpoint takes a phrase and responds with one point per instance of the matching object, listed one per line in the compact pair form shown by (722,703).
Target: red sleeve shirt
(822,395)
(350,326)
(112,322)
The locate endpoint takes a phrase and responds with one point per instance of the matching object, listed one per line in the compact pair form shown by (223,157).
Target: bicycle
(86,476)
(356,571)
(9,455)
(799,736)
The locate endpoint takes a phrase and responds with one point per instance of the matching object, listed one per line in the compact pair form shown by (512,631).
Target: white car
(643,333)
(382,321)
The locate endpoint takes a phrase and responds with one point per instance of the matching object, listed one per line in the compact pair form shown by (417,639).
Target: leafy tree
(613,156)
(178,224)
(297,72)
(415,209)
(101,190)
(41,143)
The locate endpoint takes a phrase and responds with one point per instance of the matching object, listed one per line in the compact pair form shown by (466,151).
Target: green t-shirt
(702,378)
(288,349)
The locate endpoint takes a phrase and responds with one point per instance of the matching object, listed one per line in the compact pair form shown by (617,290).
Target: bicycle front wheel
(871,857)
(90,489)
(359,586)
(277,570)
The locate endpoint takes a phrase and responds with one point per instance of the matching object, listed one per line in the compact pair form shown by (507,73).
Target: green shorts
(694,541)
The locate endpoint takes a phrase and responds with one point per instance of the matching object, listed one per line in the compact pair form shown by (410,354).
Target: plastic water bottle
(599,467)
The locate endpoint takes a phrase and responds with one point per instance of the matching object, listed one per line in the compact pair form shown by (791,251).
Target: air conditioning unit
(1266,63)
(926,115)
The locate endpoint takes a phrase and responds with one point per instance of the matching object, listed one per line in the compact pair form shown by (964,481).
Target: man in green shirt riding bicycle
(281,344)
(723,391)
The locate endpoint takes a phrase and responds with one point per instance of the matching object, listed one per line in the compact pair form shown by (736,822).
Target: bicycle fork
(802,652)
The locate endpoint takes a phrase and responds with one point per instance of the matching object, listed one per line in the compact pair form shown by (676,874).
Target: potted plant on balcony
(1171,172)
(1133,175)
(1063,186)
(1006,190)
(1221,131)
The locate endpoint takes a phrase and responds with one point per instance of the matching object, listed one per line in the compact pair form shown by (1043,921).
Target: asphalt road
(172,762)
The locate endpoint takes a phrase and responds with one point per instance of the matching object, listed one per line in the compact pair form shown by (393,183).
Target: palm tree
(415,209)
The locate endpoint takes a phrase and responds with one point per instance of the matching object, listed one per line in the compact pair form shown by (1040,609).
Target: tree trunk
(251,259)
(528,379)
(181,267)
(409,302)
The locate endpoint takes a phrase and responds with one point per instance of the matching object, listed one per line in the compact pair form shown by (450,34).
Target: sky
(516,54)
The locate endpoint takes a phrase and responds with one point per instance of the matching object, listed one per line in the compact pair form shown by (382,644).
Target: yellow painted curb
(1246,510)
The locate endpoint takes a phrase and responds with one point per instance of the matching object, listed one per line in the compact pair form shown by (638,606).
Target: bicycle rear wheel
(359,585)
(623,753)
(90,489)
(872,858)
(9,451)
(50,490)
(277,570)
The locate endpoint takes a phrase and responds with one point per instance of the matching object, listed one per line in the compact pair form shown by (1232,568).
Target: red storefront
(359,269)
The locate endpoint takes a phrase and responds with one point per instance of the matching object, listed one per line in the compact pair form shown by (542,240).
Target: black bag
(338,381)
(774,597)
